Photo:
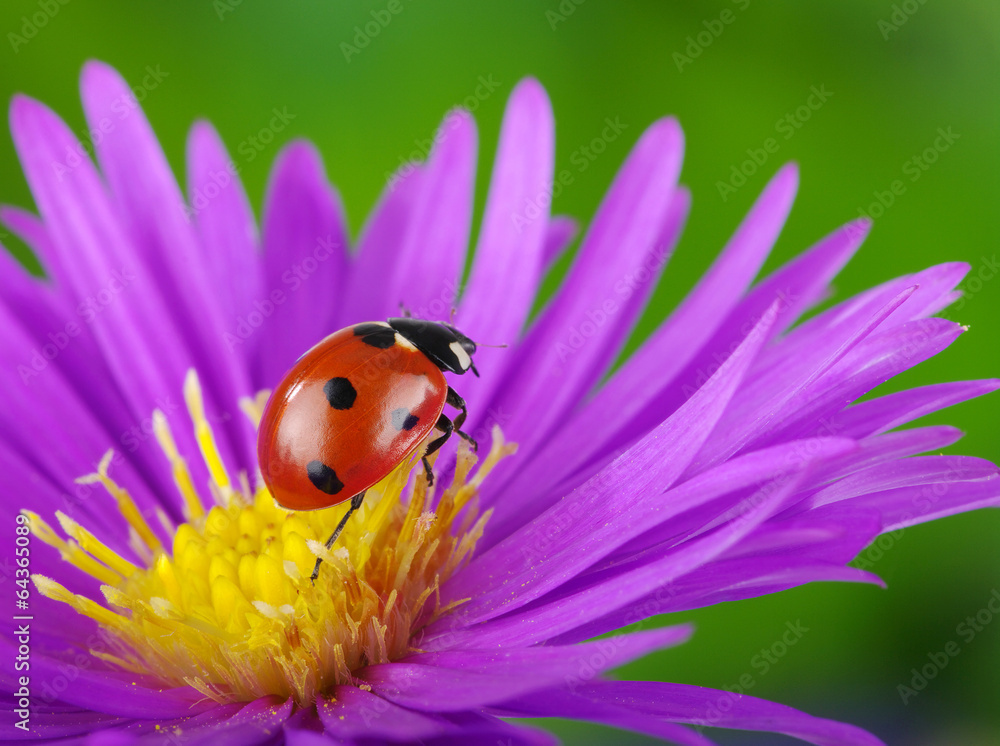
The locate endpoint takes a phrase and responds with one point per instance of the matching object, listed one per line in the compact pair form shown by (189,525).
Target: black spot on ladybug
(324,478)
(376,335)
(340,393)
(403,420)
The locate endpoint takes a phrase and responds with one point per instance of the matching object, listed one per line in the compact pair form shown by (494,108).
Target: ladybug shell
(350,410)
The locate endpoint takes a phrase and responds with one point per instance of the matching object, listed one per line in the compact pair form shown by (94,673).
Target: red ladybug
(355,406)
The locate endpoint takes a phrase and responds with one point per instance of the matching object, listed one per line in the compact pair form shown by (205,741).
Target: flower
(725,459)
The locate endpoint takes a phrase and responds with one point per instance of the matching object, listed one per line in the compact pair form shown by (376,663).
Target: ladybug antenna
(403,309)
(480,344)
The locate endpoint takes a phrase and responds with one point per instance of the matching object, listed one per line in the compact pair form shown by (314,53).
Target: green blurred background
(896,73)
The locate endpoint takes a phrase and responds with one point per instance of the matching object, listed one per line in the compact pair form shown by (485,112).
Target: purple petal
(427,267)
(52,725)
(150,208)
(618,587)
(718,582)
(888,412)
(576,529)
(378,249)
(720,709)
(117,693)
(629,393)
(872,362)
(509,256)
(621,241)
(356,713)
(252,723)
(560,234)
(881,448)
(457,680)
(568,704)
(305,260)
(224,221)
(774,396)
(919,470)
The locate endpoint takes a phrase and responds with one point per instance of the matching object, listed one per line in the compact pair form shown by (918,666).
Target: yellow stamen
(193,507)
(126,506)
(90,544)
(70,550)
(228,607)
(203,434)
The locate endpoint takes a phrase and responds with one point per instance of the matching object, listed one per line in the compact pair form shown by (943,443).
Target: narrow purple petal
(880,448)
(255,722)
(355,713)
(908,506)
(794,287)
(872,362)
(919,470)
(150,208)
(566,351)
(566,703)
(718,582)
(426,269)
(509,257)
(721,709)
(135,330)
(560,234)
(29,228)
(457,680)
(118,693)
(888,412)
(378,249)
(52,725)
(772,398)
(305,261)
(225,223)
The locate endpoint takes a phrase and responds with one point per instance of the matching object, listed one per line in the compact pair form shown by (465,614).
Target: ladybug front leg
(445,426)
(458,402)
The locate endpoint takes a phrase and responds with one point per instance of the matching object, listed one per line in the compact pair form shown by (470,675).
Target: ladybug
(357,405)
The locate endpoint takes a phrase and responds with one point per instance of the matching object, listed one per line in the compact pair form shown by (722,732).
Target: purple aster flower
(725,459)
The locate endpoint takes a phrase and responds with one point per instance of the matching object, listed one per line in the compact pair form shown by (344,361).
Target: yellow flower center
(228,607)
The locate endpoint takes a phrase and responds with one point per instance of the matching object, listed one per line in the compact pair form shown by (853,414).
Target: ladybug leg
(355,504)
(459,403)
(445,426)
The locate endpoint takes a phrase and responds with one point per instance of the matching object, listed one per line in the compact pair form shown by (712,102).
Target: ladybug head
(442,343)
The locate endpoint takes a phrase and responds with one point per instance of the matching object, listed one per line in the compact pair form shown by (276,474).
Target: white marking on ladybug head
(405,343)
(464,361)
